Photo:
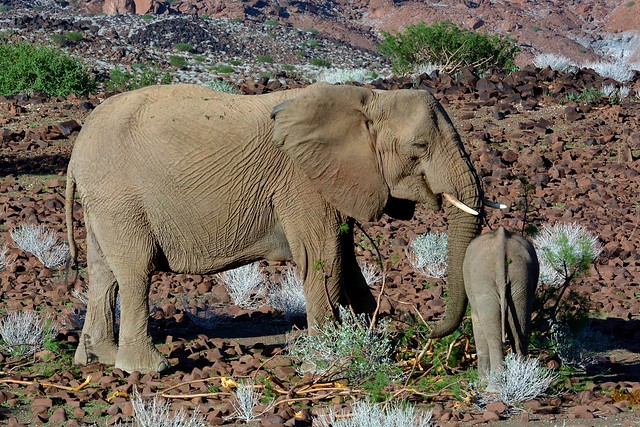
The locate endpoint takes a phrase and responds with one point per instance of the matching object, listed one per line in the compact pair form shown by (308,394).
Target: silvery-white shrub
(288,296)
(579,348)
(343,75)
(24,333)
(157,413)
(76,319)
(371,273)
(556,62)
(205,316)
(245,285)
(426,68)
(350,346)
(428,254)
(623,92)
(42,243)
(244,401)
(565,251)
(221,86)
(364,413)
(520,379)
(619,72)
(609,89)
(3,257)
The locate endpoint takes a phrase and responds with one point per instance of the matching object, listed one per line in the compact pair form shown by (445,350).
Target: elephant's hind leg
(97,342)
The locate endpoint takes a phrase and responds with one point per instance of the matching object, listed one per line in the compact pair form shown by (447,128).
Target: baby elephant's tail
(503,280)
(68,210)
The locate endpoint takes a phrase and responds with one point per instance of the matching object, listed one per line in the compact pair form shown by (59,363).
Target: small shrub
(264,58)
(245,285)
(271,23)
(428,254)
(319,62)
(371,273)
(42,243)
(223,69)
(244,401)
(205,316)
(555,62)
(147,16)
(4,8)
(609,89)
(311,43)
(27,67)
(288,296)
(3,257)
(236,20)
(577,348)
(364,413)
(205,17)
(589,96)
(350,350)
(565,252)
(120,79)
(618,71)
(448,44)
(183,47)
(157,413)
(67,39)
(235,62)
(177,61)
(312,31)
(343,75)
(24,333)
(221,86)
(520,380)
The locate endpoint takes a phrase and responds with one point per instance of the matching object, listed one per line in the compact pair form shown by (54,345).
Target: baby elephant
(500,276)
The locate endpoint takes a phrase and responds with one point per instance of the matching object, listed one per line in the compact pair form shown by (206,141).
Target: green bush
(265,58)
(66,39)
(183,47)
(319,62)
(448,45)
(24,66)
(177,61)
(223,69)
(121,80)
(4,8)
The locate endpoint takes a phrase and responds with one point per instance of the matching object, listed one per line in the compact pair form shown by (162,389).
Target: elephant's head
(370,152)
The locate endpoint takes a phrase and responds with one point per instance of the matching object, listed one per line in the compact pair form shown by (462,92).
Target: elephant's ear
(328,136)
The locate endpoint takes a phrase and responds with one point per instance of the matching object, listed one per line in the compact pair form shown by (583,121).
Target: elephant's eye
(420,145)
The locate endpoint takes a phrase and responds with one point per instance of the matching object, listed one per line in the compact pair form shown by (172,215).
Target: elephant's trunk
(462,229)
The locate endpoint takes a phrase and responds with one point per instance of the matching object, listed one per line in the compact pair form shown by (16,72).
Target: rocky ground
(581,163)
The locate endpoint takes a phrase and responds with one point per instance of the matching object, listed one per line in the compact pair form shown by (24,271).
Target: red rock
(490,416)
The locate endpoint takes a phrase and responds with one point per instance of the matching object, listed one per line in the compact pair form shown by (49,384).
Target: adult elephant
(184,179)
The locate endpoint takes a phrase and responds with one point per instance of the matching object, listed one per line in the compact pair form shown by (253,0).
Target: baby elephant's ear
(328,136)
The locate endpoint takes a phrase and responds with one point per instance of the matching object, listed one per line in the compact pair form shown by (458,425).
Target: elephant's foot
(142,357)
(95,352)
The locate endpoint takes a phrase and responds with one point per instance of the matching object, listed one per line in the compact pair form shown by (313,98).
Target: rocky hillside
(583,30)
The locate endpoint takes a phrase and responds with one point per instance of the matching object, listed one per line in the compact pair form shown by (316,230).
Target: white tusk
(458,204)
(493,204)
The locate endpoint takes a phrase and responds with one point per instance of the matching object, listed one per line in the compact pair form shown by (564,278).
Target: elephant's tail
(68,211)
(502,280)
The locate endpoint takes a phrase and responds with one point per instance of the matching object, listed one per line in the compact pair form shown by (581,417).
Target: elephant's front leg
(97,342)
(318,253)
(355,287)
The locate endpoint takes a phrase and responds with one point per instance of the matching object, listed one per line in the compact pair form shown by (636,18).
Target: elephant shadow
(622,362)
(247,329)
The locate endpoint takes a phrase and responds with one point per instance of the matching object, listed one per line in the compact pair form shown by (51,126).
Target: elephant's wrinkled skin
(185,179)
(500,276)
